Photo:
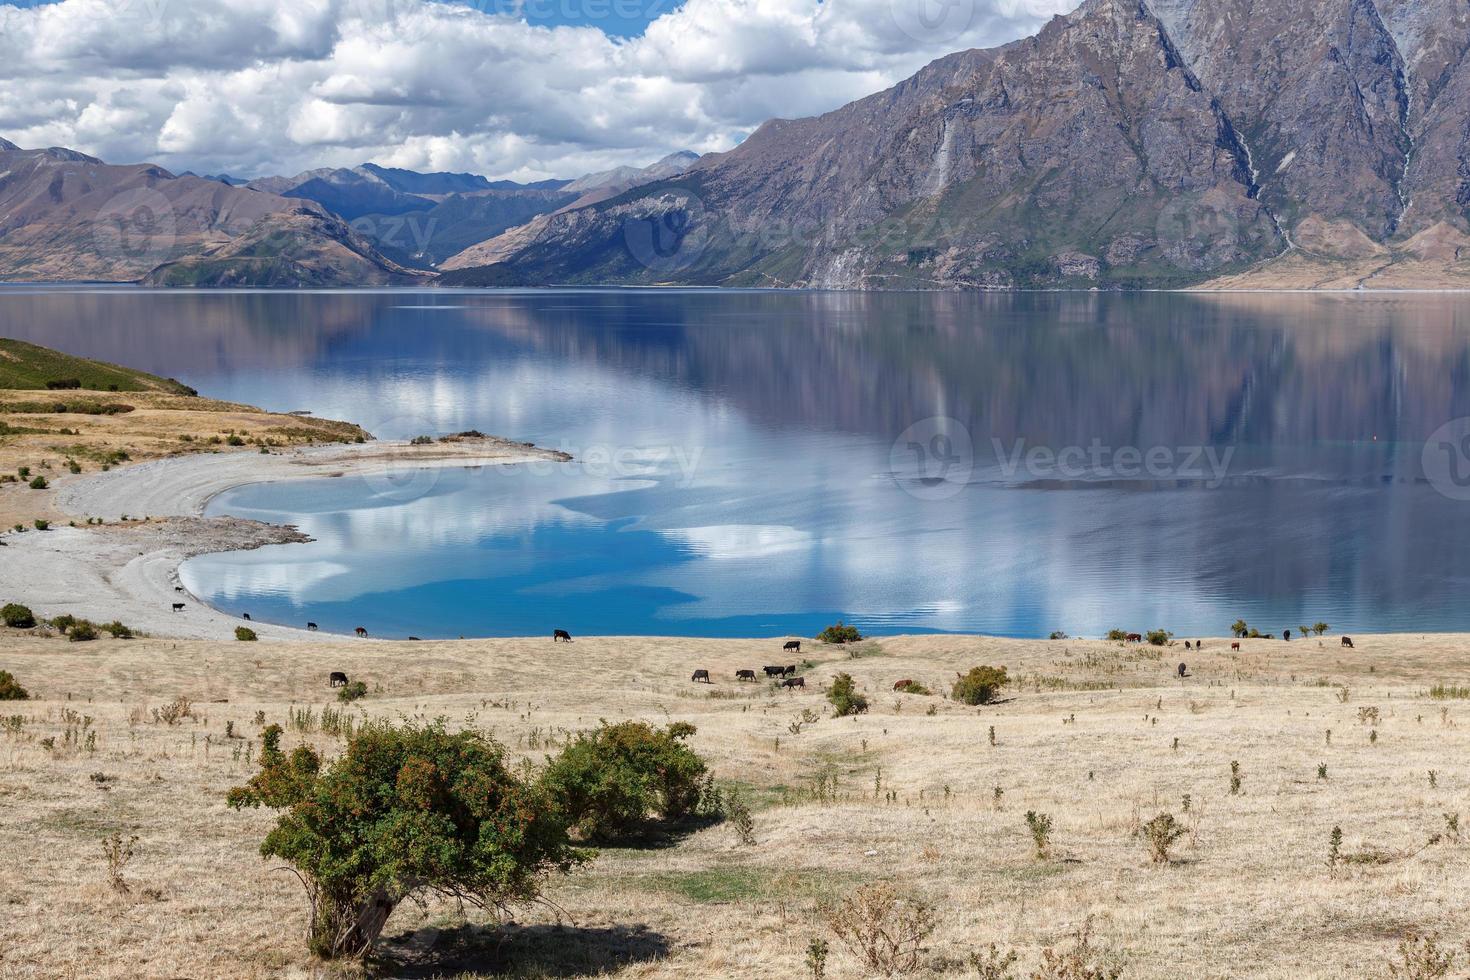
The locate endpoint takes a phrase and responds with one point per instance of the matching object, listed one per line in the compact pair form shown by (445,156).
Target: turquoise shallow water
(765,463)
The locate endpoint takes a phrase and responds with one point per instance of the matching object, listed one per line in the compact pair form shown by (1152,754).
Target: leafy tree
(10,689)
(845,697)
(1239,628)
(1158,638)
(17,616)
(613,782)
(1321,628)
(840,633)
(980,685)
(406,811)
(1117,635)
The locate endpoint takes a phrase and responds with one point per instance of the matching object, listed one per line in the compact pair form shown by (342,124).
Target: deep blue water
(766,463)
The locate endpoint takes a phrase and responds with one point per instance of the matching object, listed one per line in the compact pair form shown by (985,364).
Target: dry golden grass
(1087,737)
(160,424)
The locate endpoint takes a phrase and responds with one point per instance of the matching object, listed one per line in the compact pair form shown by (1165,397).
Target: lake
(763,463)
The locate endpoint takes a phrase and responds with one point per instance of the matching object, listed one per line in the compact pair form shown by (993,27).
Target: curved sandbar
(129,572)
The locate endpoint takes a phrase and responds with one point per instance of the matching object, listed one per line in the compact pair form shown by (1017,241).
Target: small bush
(1040,826)
(1161,833)
(1055,635)
(1158,638)
(1118,636)
(10,689)
(742,824)
(914,687)
(81,631)
(980,685)
(117,851)
(118,630)
(883,928)
(355,691)
(421,441)
(845,697)
(992,964)
(610,782)
(17,616)
(174,712)
(245,634)
(39,483)
(839,633)
(1083,961)
(235,441)
(42,525)
(1422,958)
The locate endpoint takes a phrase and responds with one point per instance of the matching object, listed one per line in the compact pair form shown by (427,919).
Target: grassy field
(29,367)
(921,792)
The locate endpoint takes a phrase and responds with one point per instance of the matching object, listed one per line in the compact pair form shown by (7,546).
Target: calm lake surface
(756,463)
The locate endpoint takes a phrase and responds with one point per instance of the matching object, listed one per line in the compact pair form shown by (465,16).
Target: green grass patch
(723,885)
(1449,692)
(33,368)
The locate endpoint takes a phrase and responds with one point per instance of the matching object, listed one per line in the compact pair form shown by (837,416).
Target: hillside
(1131,143)
(65,216)
(28,367)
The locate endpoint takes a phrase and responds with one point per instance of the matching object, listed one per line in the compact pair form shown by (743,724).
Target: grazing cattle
(247,616)
(337,679)
(745,675)
(1135,637)
(790,670)
(1235,646)
(178,607)
(1286,635)
(178,588)
(793,645)
(902,684)
(311,626)
(701,675)
(1347,641)
(774,671)
(562,635)
(361,631)
(794,682)
(1183,671)
(414,638)
(1186,645)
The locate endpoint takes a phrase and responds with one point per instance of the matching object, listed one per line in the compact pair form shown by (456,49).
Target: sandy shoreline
(129,572)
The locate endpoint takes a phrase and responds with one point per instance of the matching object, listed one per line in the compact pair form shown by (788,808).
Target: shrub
(245,634)
(1239,628)
(1422,958)
(235,441)
(117,851)
(1320,628)
(1162,832)
(10,689)
(119,631)
(840,633)
(913,687)
(742,824)
(608,782)
(63,622)
(405,813)
(1083,961)
(17,616)
(1158,638)
(992,964)
(845,697)
(1040,826)
(1057,635)
(42,525)
(980,685)
(1118,635)
(421,441)
(355,691)
(39,483)
(81,631)
(174,712)
(883,928)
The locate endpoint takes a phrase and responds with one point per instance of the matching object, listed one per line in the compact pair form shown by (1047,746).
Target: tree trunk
(350,929)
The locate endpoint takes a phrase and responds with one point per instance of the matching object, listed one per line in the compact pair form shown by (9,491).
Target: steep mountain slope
(67,216)
(1087,154)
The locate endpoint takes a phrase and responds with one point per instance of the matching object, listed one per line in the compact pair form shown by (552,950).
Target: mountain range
(1131,143)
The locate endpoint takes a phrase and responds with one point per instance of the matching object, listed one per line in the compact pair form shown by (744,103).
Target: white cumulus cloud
(252,87)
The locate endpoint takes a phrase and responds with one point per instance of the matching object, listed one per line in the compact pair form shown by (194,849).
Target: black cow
(1183,671)
(775,671)
(1347,641)
(178,588)
(794,682)
(311,626)
(789,671)
(1286,635)
(337,679)
(247,616)
(562,635)
(701,675)
(414,638)
(178,607)
(1187,645)
(745,675)
(793,645)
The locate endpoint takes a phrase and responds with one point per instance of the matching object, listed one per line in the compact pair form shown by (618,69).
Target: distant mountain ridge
(1131,143)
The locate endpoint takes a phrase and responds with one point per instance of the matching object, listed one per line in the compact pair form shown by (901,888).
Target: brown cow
(1347,641)
(1235,646)
(794,682)
(745,675)
(361,631)
(1135,637)
(701,675)
(902,684)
